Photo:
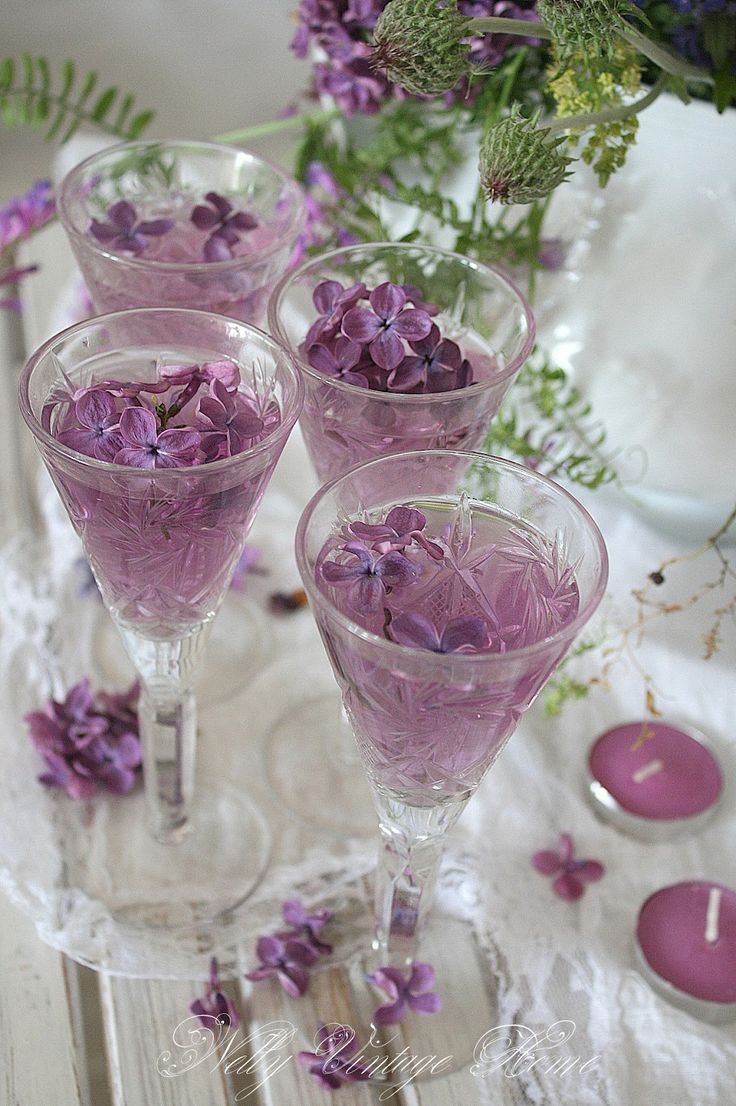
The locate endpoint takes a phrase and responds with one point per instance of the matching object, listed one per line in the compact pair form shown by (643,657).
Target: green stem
(664,58)
(527,28)
(274,126)
(611,115)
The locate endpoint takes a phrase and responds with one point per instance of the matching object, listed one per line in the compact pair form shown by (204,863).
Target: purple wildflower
(88,743)
(98,431)
(215,1003)
(288,960)
(225,226)
(385,324)
(331,1064)
(23,215)
(123,232)
(144,448)
(401,527)
(460,635)
(231,415)
(411,993)
(11,278)
(369,576)
(573,874)
(305,927)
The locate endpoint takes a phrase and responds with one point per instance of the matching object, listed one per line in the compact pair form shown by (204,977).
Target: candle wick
(711,917)
(648,770)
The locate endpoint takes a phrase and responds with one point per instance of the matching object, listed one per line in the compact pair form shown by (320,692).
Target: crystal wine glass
(163,543)
(446,587)
(192,225)
(473,306)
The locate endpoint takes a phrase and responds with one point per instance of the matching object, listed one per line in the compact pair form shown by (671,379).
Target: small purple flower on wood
(411,993)
(305,927)
(123,231)
(331,1064)
(571,874)
(369,575)
(215,1004)
(383,326)
(225,226)
(288,960)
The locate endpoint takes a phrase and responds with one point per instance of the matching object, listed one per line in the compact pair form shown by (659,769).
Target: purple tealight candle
(653,779)
(686,944)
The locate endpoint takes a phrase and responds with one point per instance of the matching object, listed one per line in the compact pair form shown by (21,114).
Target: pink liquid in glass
(429,724)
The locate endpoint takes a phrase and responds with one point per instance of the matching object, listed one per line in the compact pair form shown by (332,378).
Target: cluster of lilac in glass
(391,345)
(374,561)
(571,873)
(89,742)
(341,30)
(124,232)
(189,415)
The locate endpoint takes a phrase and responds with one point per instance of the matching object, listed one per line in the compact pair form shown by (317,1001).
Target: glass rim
(152,264)
(513,366)
(284,428)
(461,660)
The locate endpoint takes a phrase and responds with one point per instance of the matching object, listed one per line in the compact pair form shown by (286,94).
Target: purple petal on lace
(546,861)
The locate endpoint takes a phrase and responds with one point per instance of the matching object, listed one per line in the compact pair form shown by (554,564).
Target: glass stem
(168,728)
(409,858)
(167,716)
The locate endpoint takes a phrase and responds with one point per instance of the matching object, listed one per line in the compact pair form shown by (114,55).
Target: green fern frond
(30,96)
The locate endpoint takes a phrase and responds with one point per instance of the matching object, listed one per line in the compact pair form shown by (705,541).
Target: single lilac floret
(123,231)
(305,927)
(339,361)
(288,960)
(98,434)
(571,874)
(215,1004)
(435,365)
(369,576)
(411,993)
(332,301)
(461,635)
(231,415)
(402,527)
(144,448)
(383,326)
(225,225)
(331,1063)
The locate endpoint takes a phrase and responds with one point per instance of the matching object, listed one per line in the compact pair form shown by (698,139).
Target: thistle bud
(519,163)
(421,46)
(592,26)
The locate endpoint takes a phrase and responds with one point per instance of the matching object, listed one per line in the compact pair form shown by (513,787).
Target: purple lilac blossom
(224,224)
(123,232)
(460,635)
(331,1065)
(369,576)
(215,1003)
(23,215)
(305,927)
(288,961)
(411,993)
(571,874)
(401,527)
(385,324)
(88,743)
(436,365)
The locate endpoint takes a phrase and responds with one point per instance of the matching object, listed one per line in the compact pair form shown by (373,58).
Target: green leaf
(124,111)
(724,90)
(68,73)
(139,123)
(7,74)
(88,85)
(103,104)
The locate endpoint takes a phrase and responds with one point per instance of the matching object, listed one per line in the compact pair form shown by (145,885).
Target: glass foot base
(314,770)
(112,860)
(239,647)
